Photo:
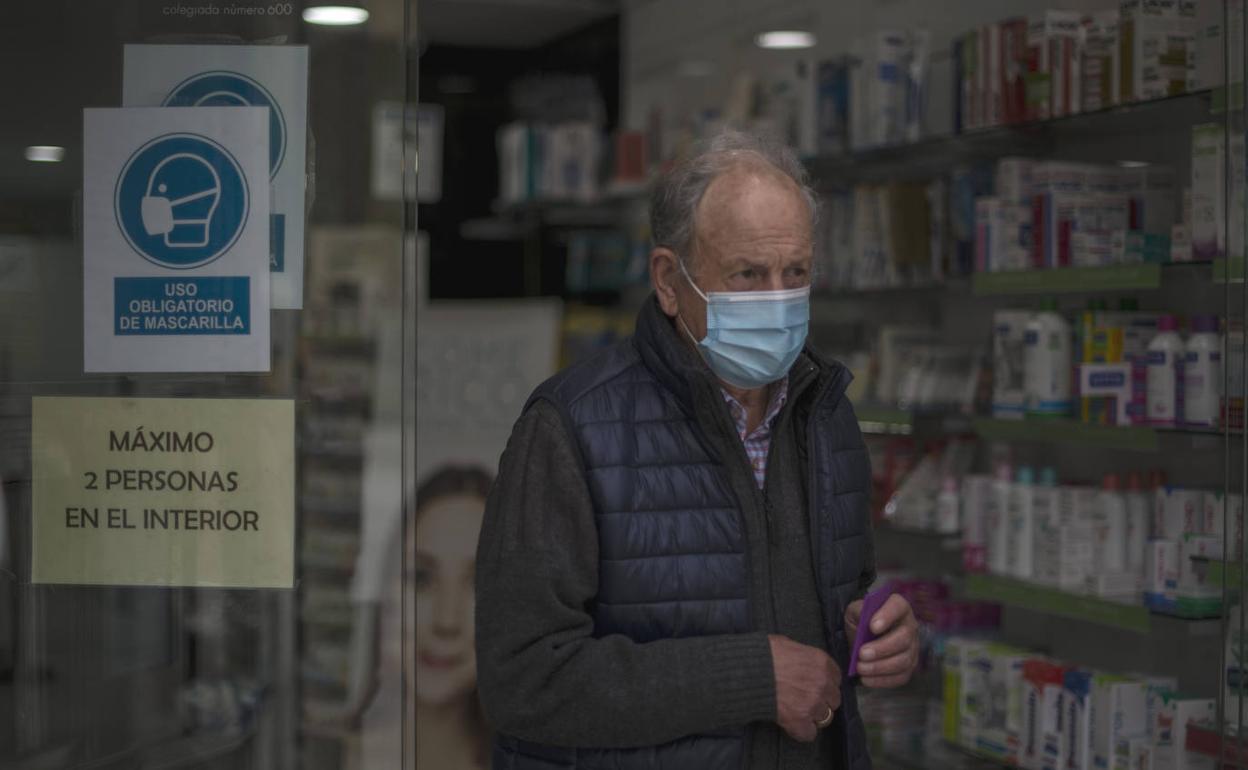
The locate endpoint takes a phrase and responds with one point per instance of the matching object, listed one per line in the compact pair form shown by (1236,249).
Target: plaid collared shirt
(758,443)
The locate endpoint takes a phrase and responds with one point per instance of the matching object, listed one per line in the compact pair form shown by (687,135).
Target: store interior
(1029,212)
(1029,253)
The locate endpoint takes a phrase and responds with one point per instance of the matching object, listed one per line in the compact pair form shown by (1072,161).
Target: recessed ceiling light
(45,153)
(785,39)
(1133,163)
(335,15)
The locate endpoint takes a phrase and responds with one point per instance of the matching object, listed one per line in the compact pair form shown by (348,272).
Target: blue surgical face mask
(752,337)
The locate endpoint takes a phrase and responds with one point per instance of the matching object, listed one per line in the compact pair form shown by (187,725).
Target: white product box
(1131,749)
(1042,714)
(1178,512)
(1208,196)
(1065,35)
(1161,568)
(993,688)
(1153,49)
(1108,381)
(1142,756)
(1028,502)
(1054,182)
(1218,508)
(1065,555)
(1013,180)
(1053,85)
(888,87)
(1008,332)
(1207,57)
(1164,9)
(1118,711)
(1158,691)
(1180,243)
(962,714)
(1193,578)
(1100,60)
(1077,725)
(1116,585)
(997,233)
(976,502)
(1153,196)
(1169,731)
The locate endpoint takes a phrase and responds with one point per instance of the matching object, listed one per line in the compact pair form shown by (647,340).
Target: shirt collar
(779,394)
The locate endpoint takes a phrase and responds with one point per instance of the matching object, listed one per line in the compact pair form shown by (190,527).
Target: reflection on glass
(450,728)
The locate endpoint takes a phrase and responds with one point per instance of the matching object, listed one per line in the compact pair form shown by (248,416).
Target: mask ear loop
(681,264)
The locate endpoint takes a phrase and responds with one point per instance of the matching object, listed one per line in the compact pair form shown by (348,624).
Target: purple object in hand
(873,602)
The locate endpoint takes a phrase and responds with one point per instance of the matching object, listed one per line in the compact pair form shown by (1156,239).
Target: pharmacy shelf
(1235,266)
(935,757)
(933,155)
(1063,431)
(884,421)
(1069,280)
(1035,598)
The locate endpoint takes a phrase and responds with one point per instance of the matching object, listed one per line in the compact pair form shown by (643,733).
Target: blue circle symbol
(181,201)
(230,89)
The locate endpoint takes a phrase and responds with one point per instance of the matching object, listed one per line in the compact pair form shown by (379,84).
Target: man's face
(753,234)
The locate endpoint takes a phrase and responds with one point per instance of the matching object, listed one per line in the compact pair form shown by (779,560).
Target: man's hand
(890,660)
(808,687)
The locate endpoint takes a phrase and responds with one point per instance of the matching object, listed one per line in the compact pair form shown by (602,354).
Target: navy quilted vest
(672,541)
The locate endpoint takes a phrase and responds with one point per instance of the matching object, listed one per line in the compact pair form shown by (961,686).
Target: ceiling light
(785,39)
(1133,164)
(45,153)
(335,15)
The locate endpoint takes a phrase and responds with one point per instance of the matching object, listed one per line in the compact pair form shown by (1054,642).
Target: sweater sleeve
(543,676)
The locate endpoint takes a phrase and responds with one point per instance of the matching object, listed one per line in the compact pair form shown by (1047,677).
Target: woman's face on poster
(445,555)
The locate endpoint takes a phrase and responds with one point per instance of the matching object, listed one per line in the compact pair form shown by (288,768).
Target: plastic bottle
(1047,363)
(1020,524)
(1111,527)
(1202,373)
(1139,522)
(1164,353)
(998,512)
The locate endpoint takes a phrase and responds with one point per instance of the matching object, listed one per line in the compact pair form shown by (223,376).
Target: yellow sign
(164,492)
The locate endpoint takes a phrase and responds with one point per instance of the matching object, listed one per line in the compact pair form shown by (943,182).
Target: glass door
(206,310)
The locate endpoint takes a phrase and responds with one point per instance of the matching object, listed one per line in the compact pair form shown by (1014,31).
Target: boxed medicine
(1172,714)
(1118,711)
(1042,714)
(995,686)
(1161,569)
(1008,342)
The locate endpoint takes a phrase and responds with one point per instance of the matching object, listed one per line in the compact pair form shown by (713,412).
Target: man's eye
(747,274)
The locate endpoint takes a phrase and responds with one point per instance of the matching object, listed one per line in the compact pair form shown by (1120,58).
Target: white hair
(675,198)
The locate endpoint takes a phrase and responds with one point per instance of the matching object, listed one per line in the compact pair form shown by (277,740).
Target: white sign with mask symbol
(274,77)
(175,239)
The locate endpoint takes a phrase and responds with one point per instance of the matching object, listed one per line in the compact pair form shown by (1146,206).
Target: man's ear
(664,274)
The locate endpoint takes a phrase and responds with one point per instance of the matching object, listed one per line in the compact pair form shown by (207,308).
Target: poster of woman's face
(450,505)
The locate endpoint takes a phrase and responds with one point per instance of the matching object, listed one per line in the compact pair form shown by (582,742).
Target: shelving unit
(1127,617)
(934,154)
(1069,280)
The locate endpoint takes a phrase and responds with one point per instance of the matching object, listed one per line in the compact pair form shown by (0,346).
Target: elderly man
(674,555)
